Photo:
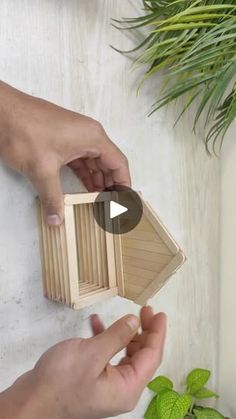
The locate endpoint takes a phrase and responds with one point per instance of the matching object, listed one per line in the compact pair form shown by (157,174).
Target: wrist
(26,399)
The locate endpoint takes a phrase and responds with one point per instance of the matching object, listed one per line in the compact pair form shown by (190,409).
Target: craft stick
(94,263)
(104,259)
(61,296)
(98,233)
(57,288)
(87,240)
(158,282)
(50,263)
(110,250)
(43,250)
(86,198)
(119,265)
(65,268)
(72,254)
(97,297)
(79,241)
(83,240)
(160,228)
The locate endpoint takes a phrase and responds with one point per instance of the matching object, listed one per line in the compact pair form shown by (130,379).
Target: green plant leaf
(207,413)
(160,383)
(204,393)
(194,42)
(151,412)
(196,379)
(181,26)
(171,405)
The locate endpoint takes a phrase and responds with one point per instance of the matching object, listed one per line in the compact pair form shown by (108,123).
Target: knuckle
(42,169)
(51,203)
(98,130)
(125,161)
(92,123)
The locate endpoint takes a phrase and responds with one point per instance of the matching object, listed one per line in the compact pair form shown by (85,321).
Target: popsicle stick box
(83,263)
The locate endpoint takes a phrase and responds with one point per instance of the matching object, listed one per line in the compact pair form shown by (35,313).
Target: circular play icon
(118,210)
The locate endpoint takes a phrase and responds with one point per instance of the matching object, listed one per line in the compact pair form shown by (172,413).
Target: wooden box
(83,264)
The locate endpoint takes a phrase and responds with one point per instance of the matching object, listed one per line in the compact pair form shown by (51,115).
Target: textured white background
(59,50)
(227,364)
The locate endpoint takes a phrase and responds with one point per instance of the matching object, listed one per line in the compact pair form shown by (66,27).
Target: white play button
(116,209)
(123,209)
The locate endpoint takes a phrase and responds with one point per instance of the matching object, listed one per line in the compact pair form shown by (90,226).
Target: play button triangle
(116,209)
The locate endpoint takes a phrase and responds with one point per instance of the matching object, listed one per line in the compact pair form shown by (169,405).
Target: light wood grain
(159,227)
(65,268)
(156,284)
(119,265)
(98,233)
(103,247)
(72,254)
(85,198)
(43,250)
(157,253)
(110,248)
(95,298)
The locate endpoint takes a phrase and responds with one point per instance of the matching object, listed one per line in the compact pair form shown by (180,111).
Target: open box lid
(146,257)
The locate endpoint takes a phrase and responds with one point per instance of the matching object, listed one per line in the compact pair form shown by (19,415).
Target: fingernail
(133,322)
(53,220)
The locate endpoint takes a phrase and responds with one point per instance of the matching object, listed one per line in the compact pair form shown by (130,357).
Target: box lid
(147,256)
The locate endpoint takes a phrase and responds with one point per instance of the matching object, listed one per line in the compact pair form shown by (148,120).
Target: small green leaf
(204,393)
(208,413)
(151,412)
(171,405)
(196,379)
(160,383)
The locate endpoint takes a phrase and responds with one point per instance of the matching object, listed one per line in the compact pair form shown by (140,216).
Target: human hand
(75,380)
(38,138)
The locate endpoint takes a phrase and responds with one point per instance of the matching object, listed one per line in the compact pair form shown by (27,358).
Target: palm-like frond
(195,41)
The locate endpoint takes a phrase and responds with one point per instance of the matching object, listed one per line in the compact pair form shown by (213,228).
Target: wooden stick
(94,263)
(43,250)
(98,233)
(160,279)
(65,268)
(72,254)
(160,228)
(79,225)
(57,287)
(111,263)
(104,256)
(97,297)
(86,198)
(87,242)
(51,292)
(119,265)
(61,296)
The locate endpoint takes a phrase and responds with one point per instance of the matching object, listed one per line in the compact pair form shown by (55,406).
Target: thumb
(115,338)
(51,197)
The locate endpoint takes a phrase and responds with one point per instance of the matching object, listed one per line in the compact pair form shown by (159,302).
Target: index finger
(114,161)
(145,361)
